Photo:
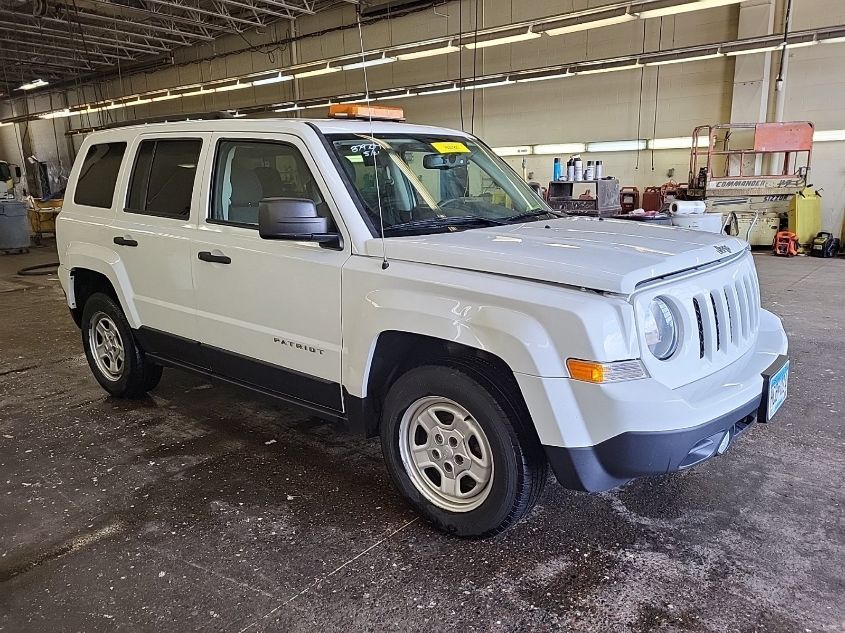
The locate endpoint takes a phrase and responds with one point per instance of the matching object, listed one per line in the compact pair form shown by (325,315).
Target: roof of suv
(327,126)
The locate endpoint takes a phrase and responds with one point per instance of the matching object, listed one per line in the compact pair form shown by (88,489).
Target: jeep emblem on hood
(722,249)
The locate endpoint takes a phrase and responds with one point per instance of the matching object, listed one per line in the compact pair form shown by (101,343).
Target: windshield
(431,184)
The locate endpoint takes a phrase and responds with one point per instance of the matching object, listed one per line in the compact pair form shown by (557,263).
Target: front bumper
(639,453)
(598,437)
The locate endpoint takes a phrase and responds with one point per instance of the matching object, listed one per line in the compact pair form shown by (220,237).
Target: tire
(113,354)
(425,410)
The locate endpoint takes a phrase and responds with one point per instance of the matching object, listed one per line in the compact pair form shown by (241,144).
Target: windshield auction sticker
(451,147)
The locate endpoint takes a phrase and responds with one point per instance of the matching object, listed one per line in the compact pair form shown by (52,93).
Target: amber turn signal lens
(617,371)
(585,370)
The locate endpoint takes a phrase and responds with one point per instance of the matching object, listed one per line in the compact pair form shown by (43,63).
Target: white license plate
(776,396)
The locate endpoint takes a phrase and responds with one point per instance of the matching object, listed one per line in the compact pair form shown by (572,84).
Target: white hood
(606,255)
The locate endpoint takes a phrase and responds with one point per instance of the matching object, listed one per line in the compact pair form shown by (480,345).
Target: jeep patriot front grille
(728,317)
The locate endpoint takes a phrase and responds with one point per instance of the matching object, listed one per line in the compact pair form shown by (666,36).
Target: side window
(97,178)
(162,181)
(246,172)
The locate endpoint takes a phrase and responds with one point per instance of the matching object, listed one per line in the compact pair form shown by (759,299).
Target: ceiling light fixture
(387,97)
(529,77)
(325,70)
(378,61)
(594,24)
(275,79)
(820,136)
(490,84)
(508,39)
(678,142)
(166,97)
(322,104)
(675,9)
(32,85)
(607,69)
(438,91)
(802,44)
(515,150)
(560,148)
(617,146)
(57,114)
(201,91)
(750,51)
(431,52)
(680,60)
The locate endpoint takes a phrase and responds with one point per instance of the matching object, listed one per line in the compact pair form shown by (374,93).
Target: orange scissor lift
(750,173)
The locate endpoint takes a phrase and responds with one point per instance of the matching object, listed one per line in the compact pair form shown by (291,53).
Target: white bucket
(709,222)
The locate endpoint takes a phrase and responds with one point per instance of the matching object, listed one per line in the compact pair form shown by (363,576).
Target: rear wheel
(458,449)
(117,362)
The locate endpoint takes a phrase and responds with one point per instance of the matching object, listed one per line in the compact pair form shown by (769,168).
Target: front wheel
(118,363)
(459,451)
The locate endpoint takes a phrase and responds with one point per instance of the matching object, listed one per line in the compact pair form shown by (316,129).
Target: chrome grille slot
(742,300)
(700,328)
(717,308)
(733,313)
(707,325)
(752,302)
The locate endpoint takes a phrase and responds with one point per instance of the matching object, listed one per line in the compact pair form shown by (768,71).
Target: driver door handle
(125,241)
(207,256)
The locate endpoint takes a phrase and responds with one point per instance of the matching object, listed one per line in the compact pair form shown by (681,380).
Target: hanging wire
(384,262)
(461,60)
(474,69)
(657,93)
(640,108)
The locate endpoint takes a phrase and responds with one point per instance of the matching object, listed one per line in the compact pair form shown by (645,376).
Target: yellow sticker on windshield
(451,147)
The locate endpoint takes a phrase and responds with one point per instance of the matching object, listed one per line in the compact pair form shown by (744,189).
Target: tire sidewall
(493,419)
(102,303)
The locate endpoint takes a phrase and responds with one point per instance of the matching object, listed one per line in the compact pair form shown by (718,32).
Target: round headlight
(661,329)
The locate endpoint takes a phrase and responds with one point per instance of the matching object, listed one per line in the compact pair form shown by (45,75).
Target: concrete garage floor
(203,508)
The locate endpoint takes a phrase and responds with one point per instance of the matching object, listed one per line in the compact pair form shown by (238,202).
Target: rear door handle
(125,241)
(206,256)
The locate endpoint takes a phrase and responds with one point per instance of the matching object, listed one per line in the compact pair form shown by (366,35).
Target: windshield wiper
(533,213)
(431,223)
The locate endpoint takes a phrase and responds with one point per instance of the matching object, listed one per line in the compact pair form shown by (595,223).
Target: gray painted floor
(203,508)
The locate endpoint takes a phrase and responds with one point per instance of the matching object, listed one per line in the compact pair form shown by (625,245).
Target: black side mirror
(292,219)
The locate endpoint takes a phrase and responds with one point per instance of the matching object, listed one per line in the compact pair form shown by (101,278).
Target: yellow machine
(805,216)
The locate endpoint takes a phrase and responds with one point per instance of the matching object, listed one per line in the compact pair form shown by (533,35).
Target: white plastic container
(14,226)
(708,222)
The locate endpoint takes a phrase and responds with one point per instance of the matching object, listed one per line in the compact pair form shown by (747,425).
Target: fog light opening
(723,445)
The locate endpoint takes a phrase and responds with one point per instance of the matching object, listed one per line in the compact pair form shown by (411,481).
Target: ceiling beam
(9,56)
(64,49)
(144,13)
(110,30)
(176,4)
(51,34)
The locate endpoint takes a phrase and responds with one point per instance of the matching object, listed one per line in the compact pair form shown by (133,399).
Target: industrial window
(97,178)
(246,172)
(163,178)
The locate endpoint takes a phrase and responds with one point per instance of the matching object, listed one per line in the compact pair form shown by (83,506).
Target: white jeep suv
(404,280)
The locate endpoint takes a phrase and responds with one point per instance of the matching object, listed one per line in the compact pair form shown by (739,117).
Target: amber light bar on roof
(362,111)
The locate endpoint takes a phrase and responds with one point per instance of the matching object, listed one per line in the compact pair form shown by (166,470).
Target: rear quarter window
(162,182)
(98,176)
